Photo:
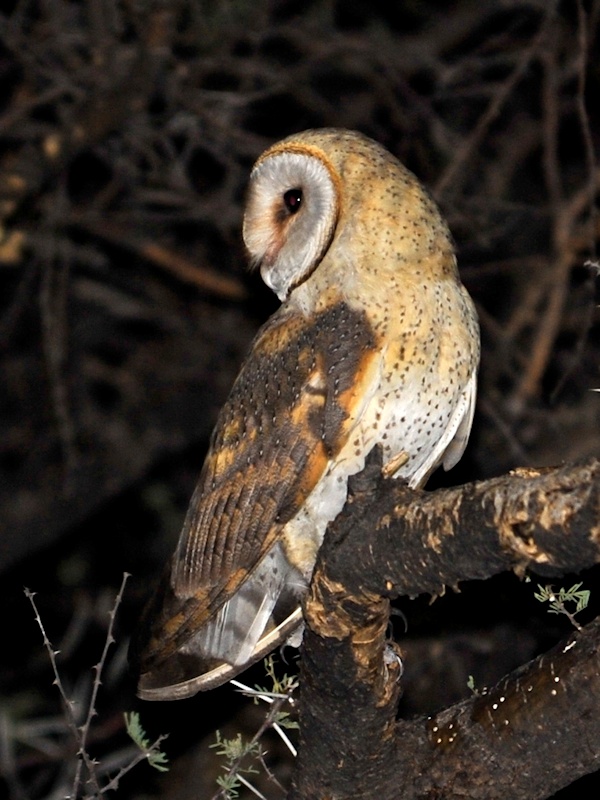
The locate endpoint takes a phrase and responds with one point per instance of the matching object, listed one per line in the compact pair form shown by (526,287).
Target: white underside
(329,496)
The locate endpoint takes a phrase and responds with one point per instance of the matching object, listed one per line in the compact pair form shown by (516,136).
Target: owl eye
(292,200)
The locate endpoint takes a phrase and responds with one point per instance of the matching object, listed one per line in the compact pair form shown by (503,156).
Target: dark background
(127,132)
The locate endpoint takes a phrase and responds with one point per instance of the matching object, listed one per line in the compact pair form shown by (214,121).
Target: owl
(376,342)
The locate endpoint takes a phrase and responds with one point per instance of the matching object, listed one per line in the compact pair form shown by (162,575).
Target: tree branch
(524,738)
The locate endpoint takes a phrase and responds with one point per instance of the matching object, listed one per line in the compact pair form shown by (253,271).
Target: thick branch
(391,541)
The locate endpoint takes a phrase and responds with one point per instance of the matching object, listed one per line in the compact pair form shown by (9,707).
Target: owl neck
(323,288)
(401,281)
(400,289)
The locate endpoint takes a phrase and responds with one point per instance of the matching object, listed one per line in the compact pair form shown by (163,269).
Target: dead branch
(206,280)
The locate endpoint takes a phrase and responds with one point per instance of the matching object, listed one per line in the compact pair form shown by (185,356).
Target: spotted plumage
(376,342)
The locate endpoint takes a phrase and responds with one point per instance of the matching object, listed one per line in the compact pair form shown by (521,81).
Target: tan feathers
(376,343)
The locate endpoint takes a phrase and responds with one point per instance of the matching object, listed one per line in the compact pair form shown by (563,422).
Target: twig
(68,703)
(450,174)
(271,698)
(182,268)
(140,756)
(53,313)
(85,728)
(268,722)
(584,121)
(80,732)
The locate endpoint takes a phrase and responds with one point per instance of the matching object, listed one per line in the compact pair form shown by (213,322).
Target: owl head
(317,185)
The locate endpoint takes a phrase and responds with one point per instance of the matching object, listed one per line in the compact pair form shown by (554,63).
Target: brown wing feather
(289,411)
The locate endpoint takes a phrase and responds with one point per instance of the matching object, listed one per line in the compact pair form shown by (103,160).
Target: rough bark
(534,732)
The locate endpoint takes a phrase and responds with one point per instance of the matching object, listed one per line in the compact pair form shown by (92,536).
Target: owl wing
(292,407)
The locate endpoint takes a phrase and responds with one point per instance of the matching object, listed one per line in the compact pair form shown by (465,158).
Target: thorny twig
(276,702)
(80,732)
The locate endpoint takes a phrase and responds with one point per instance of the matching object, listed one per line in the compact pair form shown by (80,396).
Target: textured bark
(533,733)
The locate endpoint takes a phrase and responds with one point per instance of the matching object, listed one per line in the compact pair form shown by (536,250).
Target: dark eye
(292,200)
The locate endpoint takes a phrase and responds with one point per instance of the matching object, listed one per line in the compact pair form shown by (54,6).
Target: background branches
(127,131)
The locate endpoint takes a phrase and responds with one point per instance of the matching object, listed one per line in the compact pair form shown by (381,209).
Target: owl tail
(233,634)
(262,614)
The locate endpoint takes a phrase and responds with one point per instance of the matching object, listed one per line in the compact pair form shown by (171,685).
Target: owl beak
(269,277)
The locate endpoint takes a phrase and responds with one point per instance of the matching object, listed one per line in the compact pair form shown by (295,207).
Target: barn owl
(376,342)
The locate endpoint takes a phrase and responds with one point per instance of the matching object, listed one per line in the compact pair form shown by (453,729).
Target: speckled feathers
(376,343)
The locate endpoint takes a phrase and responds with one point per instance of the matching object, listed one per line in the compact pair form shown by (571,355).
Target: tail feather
(264,612)
(233,633)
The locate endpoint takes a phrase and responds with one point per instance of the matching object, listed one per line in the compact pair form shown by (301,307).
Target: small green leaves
(241,756)
(284,719)
(234,751)
(558,600)
(156,758)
